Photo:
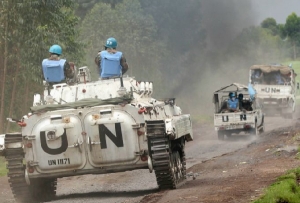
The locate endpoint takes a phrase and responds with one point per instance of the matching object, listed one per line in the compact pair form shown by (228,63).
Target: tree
(256,45)
(270,24)
(32,27)
(135,32)
(86,5)
(292,29)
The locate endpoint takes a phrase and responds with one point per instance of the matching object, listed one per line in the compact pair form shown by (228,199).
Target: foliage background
(187,49)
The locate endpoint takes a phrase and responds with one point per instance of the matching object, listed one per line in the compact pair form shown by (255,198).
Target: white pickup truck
(276,88)
(249,117)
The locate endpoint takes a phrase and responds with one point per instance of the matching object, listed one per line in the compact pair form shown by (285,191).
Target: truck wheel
(255,131)
(262,128)
(221,135)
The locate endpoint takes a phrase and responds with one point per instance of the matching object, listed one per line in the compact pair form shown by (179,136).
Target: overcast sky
(278,9)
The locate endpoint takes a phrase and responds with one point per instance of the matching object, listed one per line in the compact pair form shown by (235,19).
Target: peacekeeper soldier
(53,65)
(232,103)
(257,76)
(110,62)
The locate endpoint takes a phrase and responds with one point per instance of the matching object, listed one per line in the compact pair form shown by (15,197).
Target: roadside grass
(3,170)
(285,190)
(295,65)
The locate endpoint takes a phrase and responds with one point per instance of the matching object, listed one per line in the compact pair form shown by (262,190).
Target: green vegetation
(164,41)
(296,67)
(3,170)
(27,30)
(285,190)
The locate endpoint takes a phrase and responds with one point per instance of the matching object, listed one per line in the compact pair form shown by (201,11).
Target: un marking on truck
(243,117)
(271,90)
(225,118)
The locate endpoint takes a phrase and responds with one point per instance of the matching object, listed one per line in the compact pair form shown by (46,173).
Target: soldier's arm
(97,62)
(69,70)
(124,65)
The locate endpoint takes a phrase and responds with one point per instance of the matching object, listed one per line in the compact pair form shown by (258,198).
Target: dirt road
(234,170)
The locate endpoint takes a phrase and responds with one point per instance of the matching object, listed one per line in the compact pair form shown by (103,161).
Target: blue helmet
(111,43)
(55,49)
(231,94)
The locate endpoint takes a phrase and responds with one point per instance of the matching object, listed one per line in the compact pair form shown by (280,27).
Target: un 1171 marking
(59,161)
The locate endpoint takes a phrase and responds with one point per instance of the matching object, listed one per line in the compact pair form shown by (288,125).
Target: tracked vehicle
(95,127)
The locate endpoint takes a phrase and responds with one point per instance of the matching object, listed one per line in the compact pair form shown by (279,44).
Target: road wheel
(177,167)
(169,166)
(221,135)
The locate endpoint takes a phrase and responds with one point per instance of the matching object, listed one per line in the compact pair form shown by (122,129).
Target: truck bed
(234,120)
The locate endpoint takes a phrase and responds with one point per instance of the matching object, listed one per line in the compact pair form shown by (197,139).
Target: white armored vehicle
(247,118)
(275,86)
(96,127)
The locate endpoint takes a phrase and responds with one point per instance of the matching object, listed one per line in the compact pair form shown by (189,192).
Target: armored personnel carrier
(275,86)
(95,127)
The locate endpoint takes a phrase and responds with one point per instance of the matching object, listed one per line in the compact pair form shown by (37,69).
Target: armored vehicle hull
(97,127)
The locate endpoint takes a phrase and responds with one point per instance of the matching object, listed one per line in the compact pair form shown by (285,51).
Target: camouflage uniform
(122,62)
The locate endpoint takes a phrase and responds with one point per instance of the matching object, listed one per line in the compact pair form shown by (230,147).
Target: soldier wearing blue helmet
(110,62)
(56,69)
(232,103)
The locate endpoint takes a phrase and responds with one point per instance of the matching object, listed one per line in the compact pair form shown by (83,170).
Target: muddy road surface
(217,171)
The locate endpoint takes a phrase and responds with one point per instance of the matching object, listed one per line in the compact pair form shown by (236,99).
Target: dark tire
(255,131)
(262,129)
(39,190)
(228,134)
(221,135)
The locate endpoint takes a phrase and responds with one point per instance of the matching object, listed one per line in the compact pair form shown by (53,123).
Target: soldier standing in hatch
(54,60)
(110,62)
